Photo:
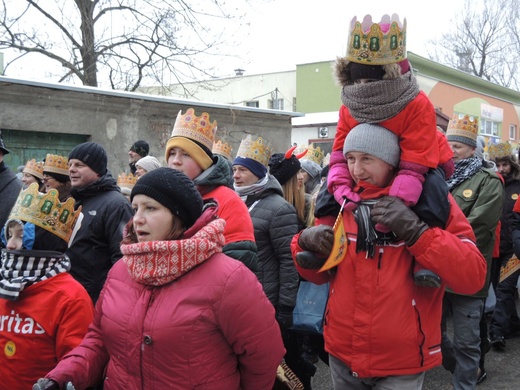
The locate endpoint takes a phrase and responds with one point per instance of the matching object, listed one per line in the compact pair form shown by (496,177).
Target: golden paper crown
(34,168)
(255,148)
(502,149)
(126,180)
(196,128)
(377,43)
(462,128)
(56,164)
(222,148)
(314,154)
(46,211)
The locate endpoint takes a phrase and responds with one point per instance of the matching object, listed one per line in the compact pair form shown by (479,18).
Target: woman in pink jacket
(175,313)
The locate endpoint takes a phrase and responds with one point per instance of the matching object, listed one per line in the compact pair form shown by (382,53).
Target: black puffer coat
(275,224)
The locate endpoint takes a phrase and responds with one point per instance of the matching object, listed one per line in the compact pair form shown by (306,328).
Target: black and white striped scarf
(464,169)
(21,268)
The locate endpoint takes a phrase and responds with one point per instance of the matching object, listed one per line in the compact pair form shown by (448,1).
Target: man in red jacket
(380,327)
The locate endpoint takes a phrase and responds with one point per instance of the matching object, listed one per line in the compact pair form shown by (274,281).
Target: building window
(294,104)
(489,128)
(512,132)
(275,104)
(252,104)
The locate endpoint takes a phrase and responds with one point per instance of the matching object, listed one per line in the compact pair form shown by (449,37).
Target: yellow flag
(339,248)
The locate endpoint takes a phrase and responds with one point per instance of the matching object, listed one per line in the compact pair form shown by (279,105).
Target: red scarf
(369,191)
(157,263)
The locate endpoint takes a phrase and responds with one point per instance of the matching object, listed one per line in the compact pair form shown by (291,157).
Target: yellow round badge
(514,196)
(467,193)
(10,349)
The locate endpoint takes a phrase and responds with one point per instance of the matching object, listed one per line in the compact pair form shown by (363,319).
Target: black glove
(284,316)
(317,239)
(393,213)
(309,260)
(45,384)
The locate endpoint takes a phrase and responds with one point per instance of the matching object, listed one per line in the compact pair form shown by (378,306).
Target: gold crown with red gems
(197,128)
(222,148)
(462,125)
(35,168)
(126,180)
(502,149)
(377,43)
(255,148)
(46,211)
(56,164)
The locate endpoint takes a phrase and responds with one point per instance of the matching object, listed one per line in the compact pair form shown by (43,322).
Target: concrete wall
(117,119)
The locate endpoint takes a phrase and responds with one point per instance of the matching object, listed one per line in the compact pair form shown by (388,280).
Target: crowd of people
(185,274)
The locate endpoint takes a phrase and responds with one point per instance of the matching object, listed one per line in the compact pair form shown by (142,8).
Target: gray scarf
(380,100)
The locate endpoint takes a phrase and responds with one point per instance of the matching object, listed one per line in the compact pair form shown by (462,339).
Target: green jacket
(481,199)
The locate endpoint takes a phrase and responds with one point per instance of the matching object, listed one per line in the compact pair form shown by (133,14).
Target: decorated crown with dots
(197,128)
(255,148)
(377,43)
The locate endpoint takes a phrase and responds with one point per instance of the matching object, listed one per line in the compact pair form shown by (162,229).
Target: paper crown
(313,154)
(56,164)
(222,148)
(502,149)
(196,128)
(463,128)
(255,148)
(34,168)
(377,43)
(46,211)
(126,180)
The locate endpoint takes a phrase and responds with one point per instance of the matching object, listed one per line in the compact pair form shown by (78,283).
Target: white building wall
(237,90)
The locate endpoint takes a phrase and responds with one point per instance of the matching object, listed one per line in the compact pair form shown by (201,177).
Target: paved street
(503,371)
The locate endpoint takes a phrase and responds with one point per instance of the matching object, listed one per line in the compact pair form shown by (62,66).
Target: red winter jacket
(212,328)
(377,321)
(47,321)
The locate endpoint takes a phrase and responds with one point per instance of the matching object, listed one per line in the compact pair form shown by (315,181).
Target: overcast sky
(289,32)
(284,33)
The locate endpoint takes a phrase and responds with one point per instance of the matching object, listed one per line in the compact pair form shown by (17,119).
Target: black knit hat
(282,168)
(174,190)
(141,148)
(93,155)
(2,145)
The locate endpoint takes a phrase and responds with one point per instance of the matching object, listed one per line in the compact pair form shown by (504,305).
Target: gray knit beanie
(148,163)
(374,140)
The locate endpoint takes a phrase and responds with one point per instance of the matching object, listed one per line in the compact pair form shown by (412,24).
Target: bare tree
(485,41)
(121,43)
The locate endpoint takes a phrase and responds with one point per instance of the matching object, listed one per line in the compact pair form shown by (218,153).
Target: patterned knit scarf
(464,169)
(380,100)
(156,263)
(21,268)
